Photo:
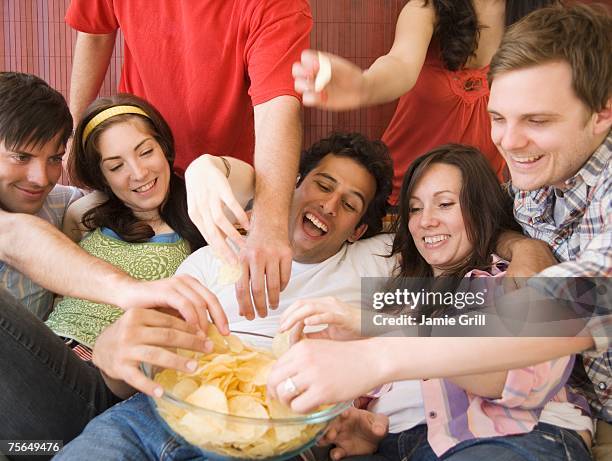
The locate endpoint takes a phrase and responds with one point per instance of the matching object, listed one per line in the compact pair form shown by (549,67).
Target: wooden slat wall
(35,39)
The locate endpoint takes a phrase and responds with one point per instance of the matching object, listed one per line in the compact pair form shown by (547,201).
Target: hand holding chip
(145,335)
(343,320)
(328,81)
(208,192)
(323,372)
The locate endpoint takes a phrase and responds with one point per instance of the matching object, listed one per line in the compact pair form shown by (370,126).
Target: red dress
(444,106)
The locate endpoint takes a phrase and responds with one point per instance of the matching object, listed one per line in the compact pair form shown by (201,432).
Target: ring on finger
(289,387)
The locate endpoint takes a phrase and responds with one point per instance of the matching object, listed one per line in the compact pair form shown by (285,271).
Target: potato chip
(229,274)
(232,380)
(184,387)
(281,343)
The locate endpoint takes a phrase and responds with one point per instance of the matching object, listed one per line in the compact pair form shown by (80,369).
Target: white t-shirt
(338,276)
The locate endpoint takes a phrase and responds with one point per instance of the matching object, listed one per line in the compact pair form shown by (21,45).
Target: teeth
(313,219)
(530,159)
(145,187)
(436,238)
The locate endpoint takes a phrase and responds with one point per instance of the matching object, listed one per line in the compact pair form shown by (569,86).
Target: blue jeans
(132,430)
(544,443)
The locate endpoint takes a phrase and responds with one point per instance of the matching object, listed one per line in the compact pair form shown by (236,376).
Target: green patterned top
(84,320)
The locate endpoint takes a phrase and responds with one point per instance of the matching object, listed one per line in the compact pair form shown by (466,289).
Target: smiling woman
(137,218)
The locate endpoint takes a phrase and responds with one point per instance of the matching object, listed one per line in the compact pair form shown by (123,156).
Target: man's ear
(358,232)
(603,119)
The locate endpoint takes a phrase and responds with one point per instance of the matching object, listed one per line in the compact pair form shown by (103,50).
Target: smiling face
(327,208)
(542,129)
(435,219)
(27,175)
(135,167)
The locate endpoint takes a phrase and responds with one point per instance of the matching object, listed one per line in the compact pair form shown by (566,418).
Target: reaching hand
(342,319)
(183,293)
(208,192)
(355,432)
(266,269)
(344,90)
(324,372)
(145,335)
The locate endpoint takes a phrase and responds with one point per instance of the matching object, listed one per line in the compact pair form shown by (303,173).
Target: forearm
(278,139)
(511,243)
(396,73)
(387,79)
(49,258)
(424,358)
(91,58)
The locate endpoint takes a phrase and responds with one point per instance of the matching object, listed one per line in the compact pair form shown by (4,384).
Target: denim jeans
(131,430)
(544,443)
(46,391)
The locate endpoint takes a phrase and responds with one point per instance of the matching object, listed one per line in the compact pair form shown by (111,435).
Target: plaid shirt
(583,242)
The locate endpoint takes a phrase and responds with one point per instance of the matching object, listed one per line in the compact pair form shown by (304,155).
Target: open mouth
(435,240)
(313,226)
(526,161)
(146,187)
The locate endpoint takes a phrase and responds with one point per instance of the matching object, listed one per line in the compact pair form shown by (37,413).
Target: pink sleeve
(533,387)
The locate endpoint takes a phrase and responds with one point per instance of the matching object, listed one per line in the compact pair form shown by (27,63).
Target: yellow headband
(108,113)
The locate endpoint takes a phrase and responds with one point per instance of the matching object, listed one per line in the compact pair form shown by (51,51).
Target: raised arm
(266,258)
(388,78)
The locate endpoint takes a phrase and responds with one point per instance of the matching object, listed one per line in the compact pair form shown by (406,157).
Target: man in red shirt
(220,73)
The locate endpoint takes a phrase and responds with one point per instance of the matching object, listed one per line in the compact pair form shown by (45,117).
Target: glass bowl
(242,437)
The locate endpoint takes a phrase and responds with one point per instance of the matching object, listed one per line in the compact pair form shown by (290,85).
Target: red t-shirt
(204,64)
(444,106)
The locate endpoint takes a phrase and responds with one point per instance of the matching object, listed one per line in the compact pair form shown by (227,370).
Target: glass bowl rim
(309,418)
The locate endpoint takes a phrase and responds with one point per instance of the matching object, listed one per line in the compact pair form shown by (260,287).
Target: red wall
(35,39)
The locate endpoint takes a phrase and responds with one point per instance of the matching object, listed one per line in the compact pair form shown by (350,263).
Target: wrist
(120,289)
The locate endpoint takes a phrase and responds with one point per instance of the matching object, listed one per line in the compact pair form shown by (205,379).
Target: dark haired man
(341,193)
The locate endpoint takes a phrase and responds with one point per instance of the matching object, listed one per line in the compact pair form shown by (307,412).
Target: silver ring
(289,387)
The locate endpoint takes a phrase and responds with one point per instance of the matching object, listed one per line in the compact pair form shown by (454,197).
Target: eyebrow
(135,149)
(435,193)
(30,154)
(359,195)
(530,114)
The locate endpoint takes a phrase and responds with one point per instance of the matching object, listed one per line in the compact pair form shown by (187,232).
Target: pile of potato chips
(232,380)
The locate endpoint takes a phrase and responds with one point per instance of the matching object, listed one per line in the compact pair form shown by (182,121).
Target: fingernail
(200,334)
(158,392)
(208,346)
(191,365)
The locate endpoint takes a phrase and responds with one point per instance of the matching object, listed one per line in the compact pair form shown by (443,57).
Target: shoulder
(64,195)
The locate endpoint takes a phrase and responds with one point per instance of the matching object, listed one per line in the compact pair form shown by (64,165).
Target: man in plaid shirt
(551,113)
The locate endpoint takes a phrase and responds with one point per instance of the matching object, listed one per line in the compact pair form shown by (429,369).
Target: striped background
(35,39)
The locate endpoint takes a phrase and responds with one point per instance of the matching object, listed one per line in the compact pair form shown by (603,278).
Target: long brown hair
(485,206)
(457,29)
(84,169)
